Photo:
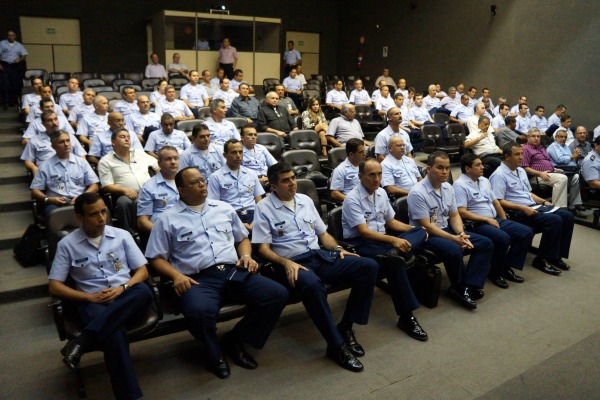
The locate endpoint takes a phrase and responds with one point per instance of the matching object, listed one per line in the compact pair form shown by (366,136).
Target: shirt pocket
(308,224)
(220,233)
(83,269)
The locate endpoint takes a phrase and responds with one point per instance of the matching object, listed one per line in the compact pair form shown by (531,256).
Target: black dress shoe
(351,342)
(462,297)
(235,350)
(561,264)
(511,276)
(476,293)
(344,358)
(500,282)
(545,266)
(221,369)
(411,327)
(581,207)
(72,354)
(576,212)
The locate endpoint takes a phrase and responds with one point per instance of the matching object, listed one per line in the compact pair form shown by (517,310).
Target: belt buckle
(221,267)
(243,212)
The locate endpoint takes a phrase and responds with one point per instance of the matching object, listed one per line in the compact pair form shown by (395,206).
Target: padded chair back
(336,156)
(149,83)
(332,78)
(109,77)
(110,95)
(371,152)
(238,122)
(187,126)
(431,138)
(60,90)
(305,139)
(307,187)
(363,113)
(302,160)
(272,142)
(308,93)
(102,88)
(203,113)
(314,82)
(137,88)
(334,223)
(178,82)
(136,77)
(312,86)
(400,206)
(455,128)
(57,76)
(269,84)
(94,82)
(37,73)
(318,78)
(441,118)
(116,83)
(82,76)
(111,104)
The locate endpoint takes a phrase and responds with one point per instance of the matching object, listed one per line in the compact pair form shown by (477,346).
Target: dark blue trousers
(475,272)
(556,229)
(105,325)
(264,297)
(327,267)
(11,83)
(247,218)
(401,291)
(511,244)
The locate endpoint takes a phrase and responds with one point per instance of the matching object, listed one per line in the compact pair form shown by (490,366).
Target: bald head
(116,120)
(100,105)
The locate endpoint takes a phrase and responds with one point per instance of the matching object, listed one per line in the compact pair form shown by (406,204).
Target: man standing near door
(12,53)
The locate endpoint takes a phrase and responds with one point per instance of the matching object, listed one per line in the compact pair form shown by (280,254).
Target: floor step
(10,153)
(13,224)
(13,172)
(15,197)
(18,283)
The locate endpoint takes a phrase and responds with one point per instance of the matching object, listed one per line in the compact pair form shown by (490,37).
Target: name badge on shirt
(81,260)
(433,215)
(249,189)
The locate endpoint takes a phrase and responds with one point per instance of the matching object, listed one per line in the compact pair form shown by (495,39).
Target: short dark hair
(44,101)
(47,113)
(277,169)
(179,176)
(229,143)
(85,198)
(363,164)
(467,160)
(127,88)
(246,127)
(510,120)
(507,149)
(166,148)
(34,78)
(436,154)
(353,144)
(564,117)
(597,141)
(538,108)
(197,128)
(166,117)
(503,106)
(522,105)
(214,104)
(237,72)
(482,118)
(116,132)
(56,134)
(561,107)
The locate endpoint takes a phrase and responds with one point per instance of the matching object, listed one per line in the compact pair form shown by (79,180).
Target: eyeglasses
(198,182)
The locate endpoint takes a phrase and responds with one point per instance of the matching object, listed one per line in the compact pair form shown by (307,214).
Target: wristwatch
(125,286)
(45,200)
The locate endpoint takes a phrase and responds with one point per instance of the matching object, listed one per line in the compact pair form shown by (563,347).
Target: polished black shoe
(351,342)
(581,207)
(476,293)
(462,297)
(344,358)
(235,350)
(411,327)
(500,282)
(545,266)
(221,369)
(577,213)
(511,276)
(72,354)
(561,264)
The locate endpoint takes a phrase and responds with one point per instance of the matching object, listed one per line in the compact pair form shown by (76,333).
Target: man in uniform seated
(394,128)
(345,127)
(336,97)
(175,107)
(102,142)
(142,122)
(86,106)
(109,271)
(194,95)
(167,135)
(345,176)
(207,157)
(432,205)
(590,169)
(256,156)
(201,245)
(221,130)
(512,189)
(400,173)
(64,176)
(366,215)
(128,105)
(93,123)
(288,229)
(483,144)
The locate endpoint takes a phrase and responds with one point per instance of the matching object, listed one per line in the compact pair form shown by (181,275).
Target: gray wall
(548,50)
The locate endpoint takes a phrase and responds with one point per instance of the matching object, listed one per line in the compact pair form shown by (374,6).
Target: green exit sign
(50,31)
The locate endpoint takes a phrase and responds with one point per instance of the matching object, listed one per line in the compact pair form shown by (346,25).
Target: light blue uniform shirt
(358,208)
(383,137)
(554,120)
(209,88)
(343,129)
(289,232)
(35,112)
(92,124)
(36,127)
(80,111)
(498,122)
(194,94)
(291,57)
(69,101)
(58,180)
(424,202)
(560,155)
(293,84)
(9,53)
(94,269)
(384,103)
(430,102)
(191,241)
(226,96)
(515,110)
(102,143)
(207,165)
(462,112)
(402,173)
(175,108)
(419,114)
(477,197)
(336,97)
(137,122)
(258,160)
(540,123)
(39,149)
(126,108)
(158,139)
(220,132)
(238,191)
(31,100)
(590,167)
(512,187)
(156,197)
(344,177)
(360,97)
(523,123)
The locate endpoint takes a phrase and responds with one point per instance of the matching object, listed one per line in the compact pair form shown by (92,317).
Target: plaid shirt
(536,158)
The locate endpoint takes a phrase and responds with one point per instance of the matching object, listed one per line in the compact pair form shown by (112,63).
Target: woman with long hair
(313,118)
